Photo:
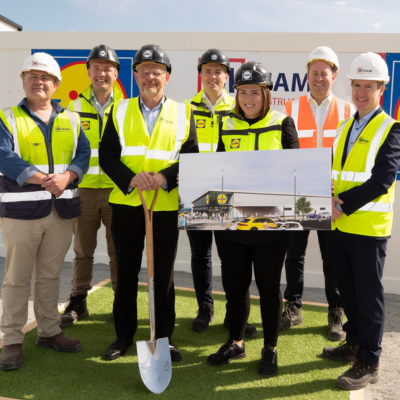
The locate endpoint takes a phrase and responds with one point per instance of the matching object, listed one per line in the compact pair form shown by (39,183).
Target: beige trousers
(37,246)
(95,210)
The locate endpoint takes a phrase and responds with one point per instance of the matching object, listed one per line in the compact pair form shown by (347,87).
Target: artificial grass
(303,373)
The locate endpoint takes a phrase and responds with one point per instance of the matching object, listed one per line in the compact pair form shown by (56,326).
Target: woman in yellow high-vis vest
(254,126)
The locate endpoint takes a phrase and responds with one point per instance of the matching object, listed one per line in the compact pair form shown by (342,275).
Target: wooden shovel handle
(148,215)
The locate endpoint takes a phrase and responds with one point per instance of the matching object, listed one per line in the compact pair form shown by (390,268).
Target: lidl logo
(235,143)
(75,78)
(221,199)
(207,199)
(201,123)
(85,125)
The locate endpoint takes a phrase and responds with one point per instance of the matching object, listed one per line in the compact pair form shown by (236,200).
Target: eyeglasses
(146,72)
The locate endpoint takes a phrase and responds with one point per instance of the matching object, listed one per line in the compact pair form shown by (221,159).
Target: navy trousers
(294,269)
(358,263)
(201,263)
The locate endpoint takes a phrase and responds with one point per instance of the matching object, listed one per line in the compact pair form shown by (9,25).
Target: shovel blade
(155,367)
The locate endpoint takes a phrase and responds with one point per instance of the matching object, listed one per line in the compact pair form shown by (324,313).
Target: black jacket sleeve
(110,157)
(383,175)
(290,138)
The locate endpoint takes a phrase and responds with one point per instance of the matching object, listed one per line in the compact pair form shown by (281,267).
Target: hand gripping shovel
(154,357)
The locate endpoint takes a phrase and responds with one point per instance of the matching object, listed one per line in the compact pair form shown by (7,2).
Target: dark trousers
(201,263)
(358,262)
(128,234)
(267,260)
(294,268)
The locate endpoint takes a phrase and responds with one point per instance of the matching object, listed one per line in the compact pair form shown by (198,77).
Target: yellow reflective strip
(205,147)
(93,171)
(120,116)
(94,153)
(135,150)
(377,207)
(295,112)
(161,155)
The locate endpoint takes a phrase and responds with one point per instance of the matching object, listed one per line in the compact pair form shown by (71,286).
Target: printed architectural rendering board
(269,190)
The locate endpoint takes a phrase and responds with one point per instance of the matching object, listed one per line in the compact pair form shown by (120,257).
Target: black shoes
(118,348)
(175,353)
(205,316)
(358,376)
(343,352)
(75,308)
(228,352)
(291,316)
(335,324)
(269,362)
(249,332)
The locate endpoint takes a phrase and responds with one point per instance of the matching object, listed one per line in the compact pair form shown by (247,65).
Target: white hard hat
(370,67)
(41,62)
(323,53)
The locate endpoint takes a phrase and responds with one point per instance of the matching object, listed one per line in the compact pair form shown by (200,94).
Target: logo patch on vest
(162,119)
(201,123)
(361,140)
(85,125)
(247,75)
(60,129)
(148,54)
(235,143)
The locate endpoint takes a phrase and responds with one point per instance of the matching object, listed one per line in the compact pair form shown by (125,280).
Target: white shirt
(208,103)
(320,113)
(102,109)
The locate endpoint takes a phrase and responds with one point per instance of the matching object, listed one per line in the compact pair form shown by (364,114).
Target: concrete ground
(388,387)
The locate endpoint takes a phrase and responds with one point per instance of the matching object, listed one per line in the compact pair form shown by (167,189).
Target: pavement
(388,387)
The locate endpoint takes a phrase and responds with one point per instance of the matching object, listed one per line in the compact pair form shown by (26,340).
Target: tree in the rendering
(303,206)
(180,204)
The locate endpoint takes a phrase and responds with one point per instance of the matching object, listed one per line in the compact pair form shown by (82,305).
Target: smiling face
(213,78)
(320,78)
(366,95)
(102,74)
(250,100)
(39,86)
(151,79)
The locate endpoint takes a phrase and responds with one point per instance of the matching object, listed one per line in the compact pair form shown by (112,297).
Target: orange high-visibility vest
(301,112)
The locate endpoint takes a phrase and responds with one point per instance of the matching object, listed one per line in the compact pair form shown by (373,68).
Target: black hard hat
(215,56)
(103,52)
(151,52)
(253,73)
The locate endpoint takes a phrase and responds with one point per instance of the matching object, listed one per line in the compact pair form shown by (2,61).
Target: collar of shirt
(327,100)
(45,129)
(358,127)
(101,109)
(150,116)
(207,102)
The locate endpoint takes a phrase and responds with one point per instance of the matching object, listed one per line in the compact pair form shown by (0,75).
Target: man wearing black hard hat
(140,149)
(210,105)
(93,106)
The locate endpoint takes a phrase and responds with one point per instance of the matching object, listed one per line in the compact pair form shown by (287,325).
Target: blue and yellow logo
(85,125)
(221,199)
(235,143)
(201,123)
(207,199)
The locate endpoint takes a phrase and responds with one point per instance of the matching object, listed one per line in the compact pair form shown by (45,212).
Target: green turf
(303,373)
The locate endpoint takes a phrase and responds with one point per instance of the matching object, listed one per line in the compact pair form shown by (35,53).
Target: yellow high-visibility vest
(265,134)
(375,218)
(30,145)
(142,152)
(207,123)
(93,126)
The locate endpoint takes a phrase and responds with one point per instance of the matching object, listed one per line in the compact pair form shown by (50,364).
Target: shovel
(154,357)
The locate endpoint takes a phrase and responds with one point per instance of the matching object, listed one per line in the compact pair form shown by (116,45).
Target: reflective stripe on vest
(266,134)
(94,178)
(143,152)
(301,112)
(375,218)
(36,196)
(207,123)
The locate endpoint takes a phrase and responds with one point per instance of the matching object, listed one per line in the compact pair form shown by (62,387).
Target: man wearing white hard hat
(43,155)
(316,116)
(366,155)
